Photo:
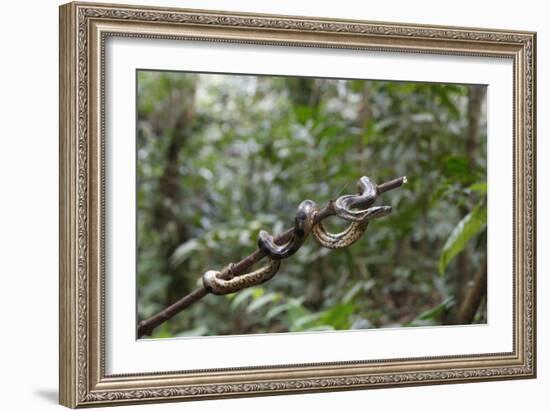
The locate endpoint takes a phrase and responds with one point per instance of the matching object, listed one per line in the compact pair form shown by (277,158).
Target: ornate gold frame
(83,30)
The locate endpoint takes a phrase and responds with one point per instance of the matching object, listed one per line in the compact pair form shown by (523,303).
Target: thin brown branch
(147,326)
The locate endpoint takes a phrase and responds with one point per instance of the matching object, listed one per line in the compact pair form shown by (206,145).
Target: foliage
(465,230)
(220,157)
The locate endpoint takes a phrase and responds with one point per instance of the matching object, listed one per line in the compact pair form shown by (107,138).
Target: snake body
(223,282)
(354,208)
(351,234)
(343,206)
(303,223)
(367,194)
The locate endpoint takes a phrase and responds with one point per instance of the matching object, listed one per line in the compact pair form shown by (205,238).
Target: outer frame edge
(69,359)
(68,362)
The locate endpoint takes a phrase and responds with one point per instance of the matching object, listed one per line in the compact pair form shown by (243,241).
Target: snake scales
(346,207)
(343,206)
(223,282)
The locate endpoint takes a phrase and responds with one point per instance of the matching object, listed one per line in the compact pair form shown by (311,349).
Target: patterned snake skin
(351,234)
(223,282)
(359,218)
(303,223)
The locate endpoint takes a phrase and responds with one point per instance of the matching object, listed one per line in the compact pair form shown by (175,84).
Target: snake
(303,223)
(223,282)
(343,207)
(351,234)
(367,194)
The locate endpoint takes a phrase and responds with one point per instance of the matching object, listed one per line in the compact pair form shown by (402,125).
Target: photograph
(274,206)
(227,162)
(256,204)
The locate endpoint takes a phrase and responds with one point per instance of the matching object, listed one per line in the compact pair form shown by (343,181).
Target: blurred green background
(222,156)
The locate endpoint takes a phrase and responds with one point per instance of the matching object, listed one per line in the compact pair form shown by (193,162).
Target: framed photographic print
(260,204)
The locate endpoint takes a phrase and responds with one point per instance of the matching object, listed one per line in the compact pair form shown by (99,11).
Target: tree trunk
(464,275)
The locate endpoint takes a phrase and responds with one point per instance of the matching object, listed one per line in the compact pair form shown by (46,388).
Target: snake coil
(343,207)
(354,208)
(303,223)
(223,282)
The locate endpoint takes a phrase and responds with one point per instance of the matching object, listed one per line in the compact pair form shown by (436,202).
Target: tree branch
(147,326)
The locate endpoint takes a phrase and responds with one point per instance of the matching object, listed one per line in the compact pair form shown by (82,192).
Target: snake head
(377,212)
(367,193)
(367,189)
(303,222)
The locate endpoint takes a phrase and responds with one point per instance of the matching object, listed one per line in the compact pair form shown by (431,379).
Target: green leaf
(263,300)
(480,187)
(183,252)
(275,311)
(353,292)
(360,286)
(305,321)
(337,316)
(195,332)
(467,228)
(242,296)
(320,328)
(303,113)
(295,312)
(437,311)
(443,93)
(457,168)
(162,332)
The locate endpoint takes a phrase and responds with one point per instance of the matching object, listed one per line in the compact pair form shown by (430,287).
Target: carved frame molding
(83,30)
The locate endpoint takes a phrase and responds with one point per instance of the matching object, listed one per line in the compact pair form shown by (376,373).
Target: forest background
(222,156)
